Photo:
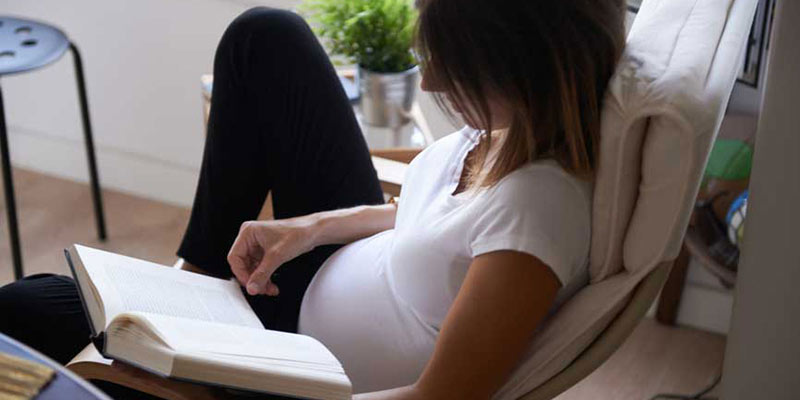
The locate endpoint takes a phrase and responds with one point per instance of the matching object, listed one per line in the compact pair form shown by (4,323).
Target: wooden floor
(55,213)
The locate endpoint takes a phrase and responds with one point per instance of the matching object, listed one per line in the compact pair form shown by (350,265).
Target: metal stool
(24,46)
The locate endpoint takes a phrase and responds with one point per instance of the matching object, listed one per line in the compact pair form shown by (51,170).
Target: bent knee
(259,20)
(45,312)
(262,39)
(39,295)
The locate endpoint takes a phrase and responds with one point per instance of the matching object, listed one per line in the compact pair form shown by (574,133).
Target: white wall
(762,358)
(143,60)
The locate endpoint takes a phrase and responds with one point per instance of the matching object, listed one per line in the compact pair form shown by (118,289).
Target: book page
(259,345)
(127,284)
(227,355)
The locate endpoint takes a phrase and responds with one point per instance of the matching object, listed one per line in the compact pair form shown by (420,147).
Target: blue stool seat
(24,46)
(27,45)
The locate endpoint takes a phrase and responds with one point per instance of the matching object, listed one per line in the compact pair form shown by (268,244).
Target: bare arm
(263,246)
(504,297)
(350,224)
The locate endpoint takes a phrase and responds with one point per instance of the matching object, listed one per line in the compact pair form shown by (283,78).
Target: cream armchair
(661,114)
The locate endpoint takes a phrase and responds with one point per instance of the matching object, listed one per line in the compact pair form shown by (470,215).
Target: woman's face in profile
(498,107)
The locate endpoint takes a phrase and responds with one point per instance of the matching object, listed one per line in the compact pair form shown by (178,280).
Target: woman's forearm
(350,224)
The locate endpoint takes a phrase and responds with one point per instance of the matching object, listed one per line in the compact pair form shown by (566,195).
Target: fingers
(253,262)
(239,268)
(238,257)
(260,282)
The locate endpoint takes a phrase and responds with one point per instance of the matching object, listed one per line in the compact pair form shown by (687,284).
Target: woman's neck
(472,174)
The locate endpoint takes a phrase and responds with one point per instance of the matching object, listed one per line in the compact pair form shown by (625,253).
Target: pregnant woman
(438,295)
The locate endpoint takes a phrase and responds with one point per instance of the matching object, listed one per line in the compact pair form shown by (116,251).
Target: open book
(193,327)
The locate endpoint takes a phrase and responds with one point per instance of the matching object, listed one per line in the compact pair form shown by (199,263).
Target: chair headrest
(660,115)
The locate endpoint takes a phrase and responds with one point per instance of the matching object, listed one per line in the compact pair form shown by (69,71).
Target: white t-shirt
(378,303)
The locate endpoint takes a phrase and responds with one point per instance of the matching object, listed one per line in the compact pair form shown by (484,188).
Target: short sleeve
(538,210)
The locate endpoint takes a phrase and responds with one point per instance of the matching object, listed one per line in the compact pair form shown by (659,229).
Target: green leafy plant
(375,34)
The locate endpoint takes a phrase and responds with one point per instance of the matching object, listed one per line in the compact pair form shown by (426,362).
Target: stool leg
(8,188)
(89,141)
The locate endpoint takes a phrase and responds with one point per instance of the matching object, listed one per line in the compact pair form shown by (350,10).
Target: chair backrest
(660,116)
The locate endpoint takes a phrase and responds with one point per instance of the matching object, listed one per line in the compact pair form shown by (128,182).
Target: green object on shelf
(729,160)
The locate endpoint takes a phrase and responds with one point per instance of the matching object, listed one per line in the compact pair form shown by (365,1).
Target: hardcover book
(197,328)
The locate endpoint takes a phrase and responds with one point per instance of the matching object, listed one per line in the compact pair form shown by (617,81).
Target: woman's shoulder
(538,209)
(544,180)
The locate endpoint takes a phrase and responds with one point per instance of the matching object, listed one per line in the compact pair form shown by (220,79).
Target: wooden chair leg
(670,299)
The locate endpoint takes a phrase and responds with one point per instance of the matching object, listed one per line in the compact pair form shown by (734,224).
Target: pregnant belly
(351,308)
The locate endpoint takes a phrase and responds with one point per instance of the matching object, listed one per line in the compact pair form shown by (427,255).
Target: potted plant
(378,36)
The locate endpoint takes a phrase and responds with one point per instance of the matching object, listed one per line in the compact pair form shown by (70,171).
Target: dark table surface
(65,385)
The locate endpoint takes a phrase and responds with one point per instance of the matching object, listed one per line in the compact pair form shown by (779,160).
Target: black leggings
(280,122)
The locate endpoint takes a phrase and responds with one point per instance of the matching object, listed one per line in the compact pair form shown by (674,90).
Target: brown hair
(548,60)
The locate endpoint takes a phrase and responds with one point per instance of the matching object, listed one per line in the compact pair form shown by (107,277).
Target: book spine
(99,342)
(80,296)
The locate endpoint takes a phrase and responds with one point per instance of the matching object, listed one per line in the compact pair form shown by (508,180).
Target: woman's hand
(263,246)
